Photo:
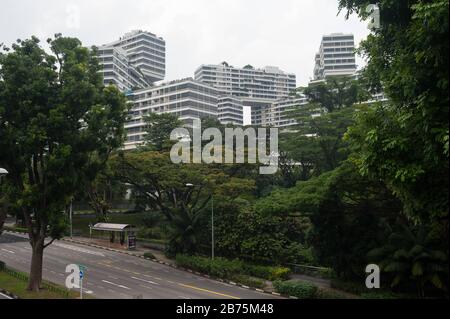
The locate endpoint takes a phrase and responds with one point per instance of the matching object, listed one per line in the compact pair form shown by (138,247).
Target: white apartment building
(336,56)
(278,114)
(266,83)
(230,110)
(188,99)
(257,88)
(136,60)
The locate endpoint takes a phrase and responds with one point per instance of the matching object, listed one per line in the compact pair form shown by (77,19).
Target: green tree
(316,144)
(58,125)
(405,143)
(158,129)
(163,188)
(348,214)
(413,254)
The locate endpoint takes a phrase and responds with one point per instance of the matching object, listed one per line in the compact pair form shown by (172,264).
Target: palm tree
(410,255)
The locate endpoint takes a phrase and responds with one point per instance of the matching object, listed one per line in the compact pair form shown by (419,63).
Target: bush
(233,269)
(267,272)
(249,281)
(2,265)
(299,289)
(383,295)
(149,255)
(330,294)
(349,286)
(219,267)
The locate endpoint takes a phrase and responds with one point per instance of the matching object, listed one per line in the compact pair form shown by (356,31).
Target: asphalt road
(112,275)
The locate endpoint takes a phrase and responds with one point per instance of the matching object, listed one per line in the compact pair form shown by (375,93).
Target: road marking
(156,278)
(209,291)
(147,281)
(79,249)
(7,297)
(117,285)
(8,251)
(144,286)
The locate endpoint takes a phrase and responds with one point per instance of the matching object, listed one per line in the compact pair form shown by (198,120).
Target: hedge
(229,269)
(267,272)
(299,289)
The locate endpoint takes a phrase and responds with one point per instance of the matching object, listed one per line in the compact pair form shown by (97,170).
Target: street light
(190,185)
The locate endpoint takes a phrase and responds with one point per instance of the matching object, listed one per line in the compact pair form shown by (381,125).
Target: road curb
(172,266)
(9,294)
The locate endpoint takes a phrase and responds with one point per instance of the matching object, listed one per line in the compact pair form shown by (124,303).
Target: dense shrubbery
(229,269)
(245,233)
(301,290)
(267,272)
(349,286)
(249,281)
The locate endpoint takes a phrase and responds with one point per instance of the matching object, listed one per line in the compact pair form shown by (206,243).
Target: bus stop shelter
(126,232)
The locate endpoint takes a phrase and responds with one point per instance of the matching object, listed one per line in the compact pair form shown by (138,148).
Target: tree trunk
(35,281)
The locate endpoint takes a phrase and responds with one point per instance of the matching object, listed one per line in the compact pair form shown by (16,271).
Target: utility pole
(70,218)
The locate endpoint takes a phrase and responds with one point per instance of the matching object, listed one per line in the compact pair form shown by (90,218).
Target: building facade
(187,99)
(230,110)
(256,88)
(135,61)
(279,113)
(336,56)
(248,82)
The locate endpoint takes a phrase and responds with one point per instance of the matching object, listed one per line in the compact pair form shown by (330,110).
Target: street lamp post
(212,221)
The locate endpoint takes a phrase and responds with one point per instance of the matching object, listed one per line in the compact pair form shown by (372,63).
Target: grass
(19,288)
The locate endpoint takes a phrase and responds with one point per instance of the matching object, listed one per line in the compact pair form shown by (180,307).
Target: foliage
(323,293)
(229,269)
(59,125)
(413,256)
(163,189)
(267,272)
(348,215)
(249,281)
(219,267)
(159,128)
(406,142)
(244,233)
(299,289)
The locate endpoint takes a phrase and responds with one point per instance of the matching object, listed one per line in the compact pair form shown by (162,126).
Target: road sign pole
(81,288)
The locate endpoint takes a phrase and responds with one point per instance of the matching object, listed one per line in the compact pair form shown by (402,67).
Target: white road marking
(8,251)
(147,281)
(152,277)
(144,286)
(7,297)
(79,249)
(117,285)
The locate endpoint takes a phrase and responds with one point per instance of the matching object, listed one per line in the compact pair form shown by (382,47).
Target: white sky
(283,33)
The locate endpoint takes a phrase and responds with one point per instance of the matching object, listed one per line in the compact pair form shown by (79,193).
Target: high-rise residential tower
(248,82)
(255,88)
(135,61)
(336,56)
(187,99)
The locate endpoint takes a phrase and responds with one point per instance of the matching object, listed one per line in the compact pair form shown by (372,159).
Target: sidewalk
(138,251)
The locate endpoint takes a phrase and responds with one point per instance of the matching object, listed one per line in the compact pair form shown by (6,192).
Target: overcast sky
(284,33)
